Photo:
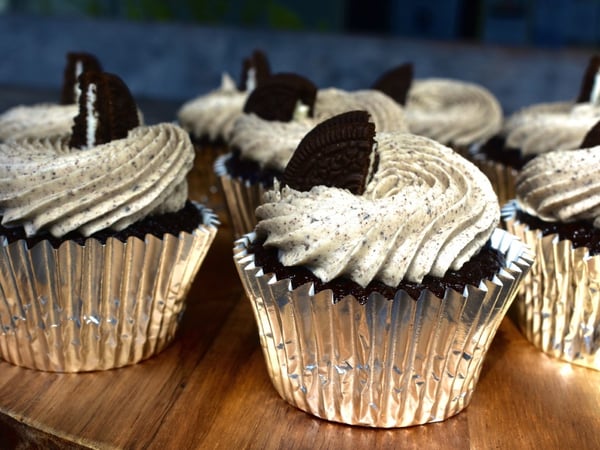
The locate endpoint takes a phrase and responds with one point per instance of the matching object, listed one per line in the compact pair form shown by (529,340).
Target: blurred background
(537,22)
(524,51)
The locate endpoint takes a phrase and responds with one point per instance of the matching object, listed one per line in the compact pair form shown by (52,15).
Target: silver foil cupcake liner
(384,364)
(558,305)
(502,177)
(202,180)
(96,306)
(241,198)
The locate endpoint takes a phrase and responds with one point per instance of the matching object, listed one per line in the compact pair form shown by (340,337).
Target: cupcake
(377,276)
(455,113)
(99,243)
(276,117)
(209,119)
(556,213)
(538,129)
(49,119)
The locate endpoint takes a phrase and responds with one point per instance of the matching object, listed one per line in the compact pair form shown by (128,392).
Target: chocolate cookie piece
(113,114)
(396,82)
(259,64)
(592,138)
(277,97)
(335,153)
(77,63)
(589,78)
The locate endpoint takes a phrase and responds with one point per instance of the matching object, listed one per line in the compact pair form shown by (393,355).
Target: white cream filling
(92,116)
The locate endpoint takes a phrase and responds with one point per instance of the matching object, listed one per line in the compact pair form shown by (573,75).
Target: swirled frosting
(37,121)
(212,115)
(425,210)
(547,127)
(45,185)
(272,143)
(562,186)
(452,112)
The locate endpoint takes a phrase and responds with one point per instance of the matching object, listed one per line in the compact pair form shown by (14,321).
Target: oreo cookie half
(589,79)
(277,97)
(336,153)
(77,63)
(257,63)
(396,82)
(592,137)
(107,110)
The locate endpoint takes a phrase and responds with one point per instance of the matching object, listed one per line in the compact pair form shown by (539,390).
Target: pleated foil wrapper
(502,177)
(558,305)
(203,186)
(96,307)
(388,363)
(241,198)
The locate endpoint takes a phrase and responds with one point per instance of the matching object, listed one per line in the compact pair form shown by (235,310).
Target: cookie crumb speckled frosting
(361,212)
(452,112)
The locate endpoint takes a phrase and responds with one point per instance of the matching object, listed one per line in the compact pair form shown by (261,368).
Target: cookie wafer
(77,63)
(589,80)
(278,96)
(396,82)
(335,153)
(592,138)
(107,110)
(256,64)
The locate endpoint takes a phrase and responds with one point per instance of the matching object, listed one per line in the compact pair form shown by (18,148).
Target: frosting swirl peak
(452,112)
(45,184)
(562,186)
(425,210)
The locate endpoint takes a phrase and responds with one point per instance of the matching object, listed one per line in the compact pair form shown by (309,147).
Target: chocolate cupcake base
(386,363)
(75,308)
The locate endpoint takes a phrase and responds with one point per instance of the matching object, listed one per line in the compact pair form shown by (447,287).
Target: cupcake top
(49,119)
(452,112)
(563,186)
(110,173)
(385,206)
(211,116)
(269,135)
(545,127)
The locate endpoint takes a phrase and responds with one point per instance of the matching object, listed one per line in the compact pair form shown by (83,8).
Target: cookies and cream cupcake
(276,118)
(455,113)
(50,119)
(557,213)
(209,119)
(377,275)
(538,129)
(99,243)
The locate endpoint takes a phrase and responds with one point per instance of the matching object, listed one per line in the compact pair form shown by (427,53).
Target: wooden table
(210,389)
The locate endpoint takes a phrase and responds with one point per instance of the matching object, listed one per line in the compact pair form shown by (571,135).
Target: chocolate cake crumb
(581,233)
(484,265)
(495,150)
(186,219)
